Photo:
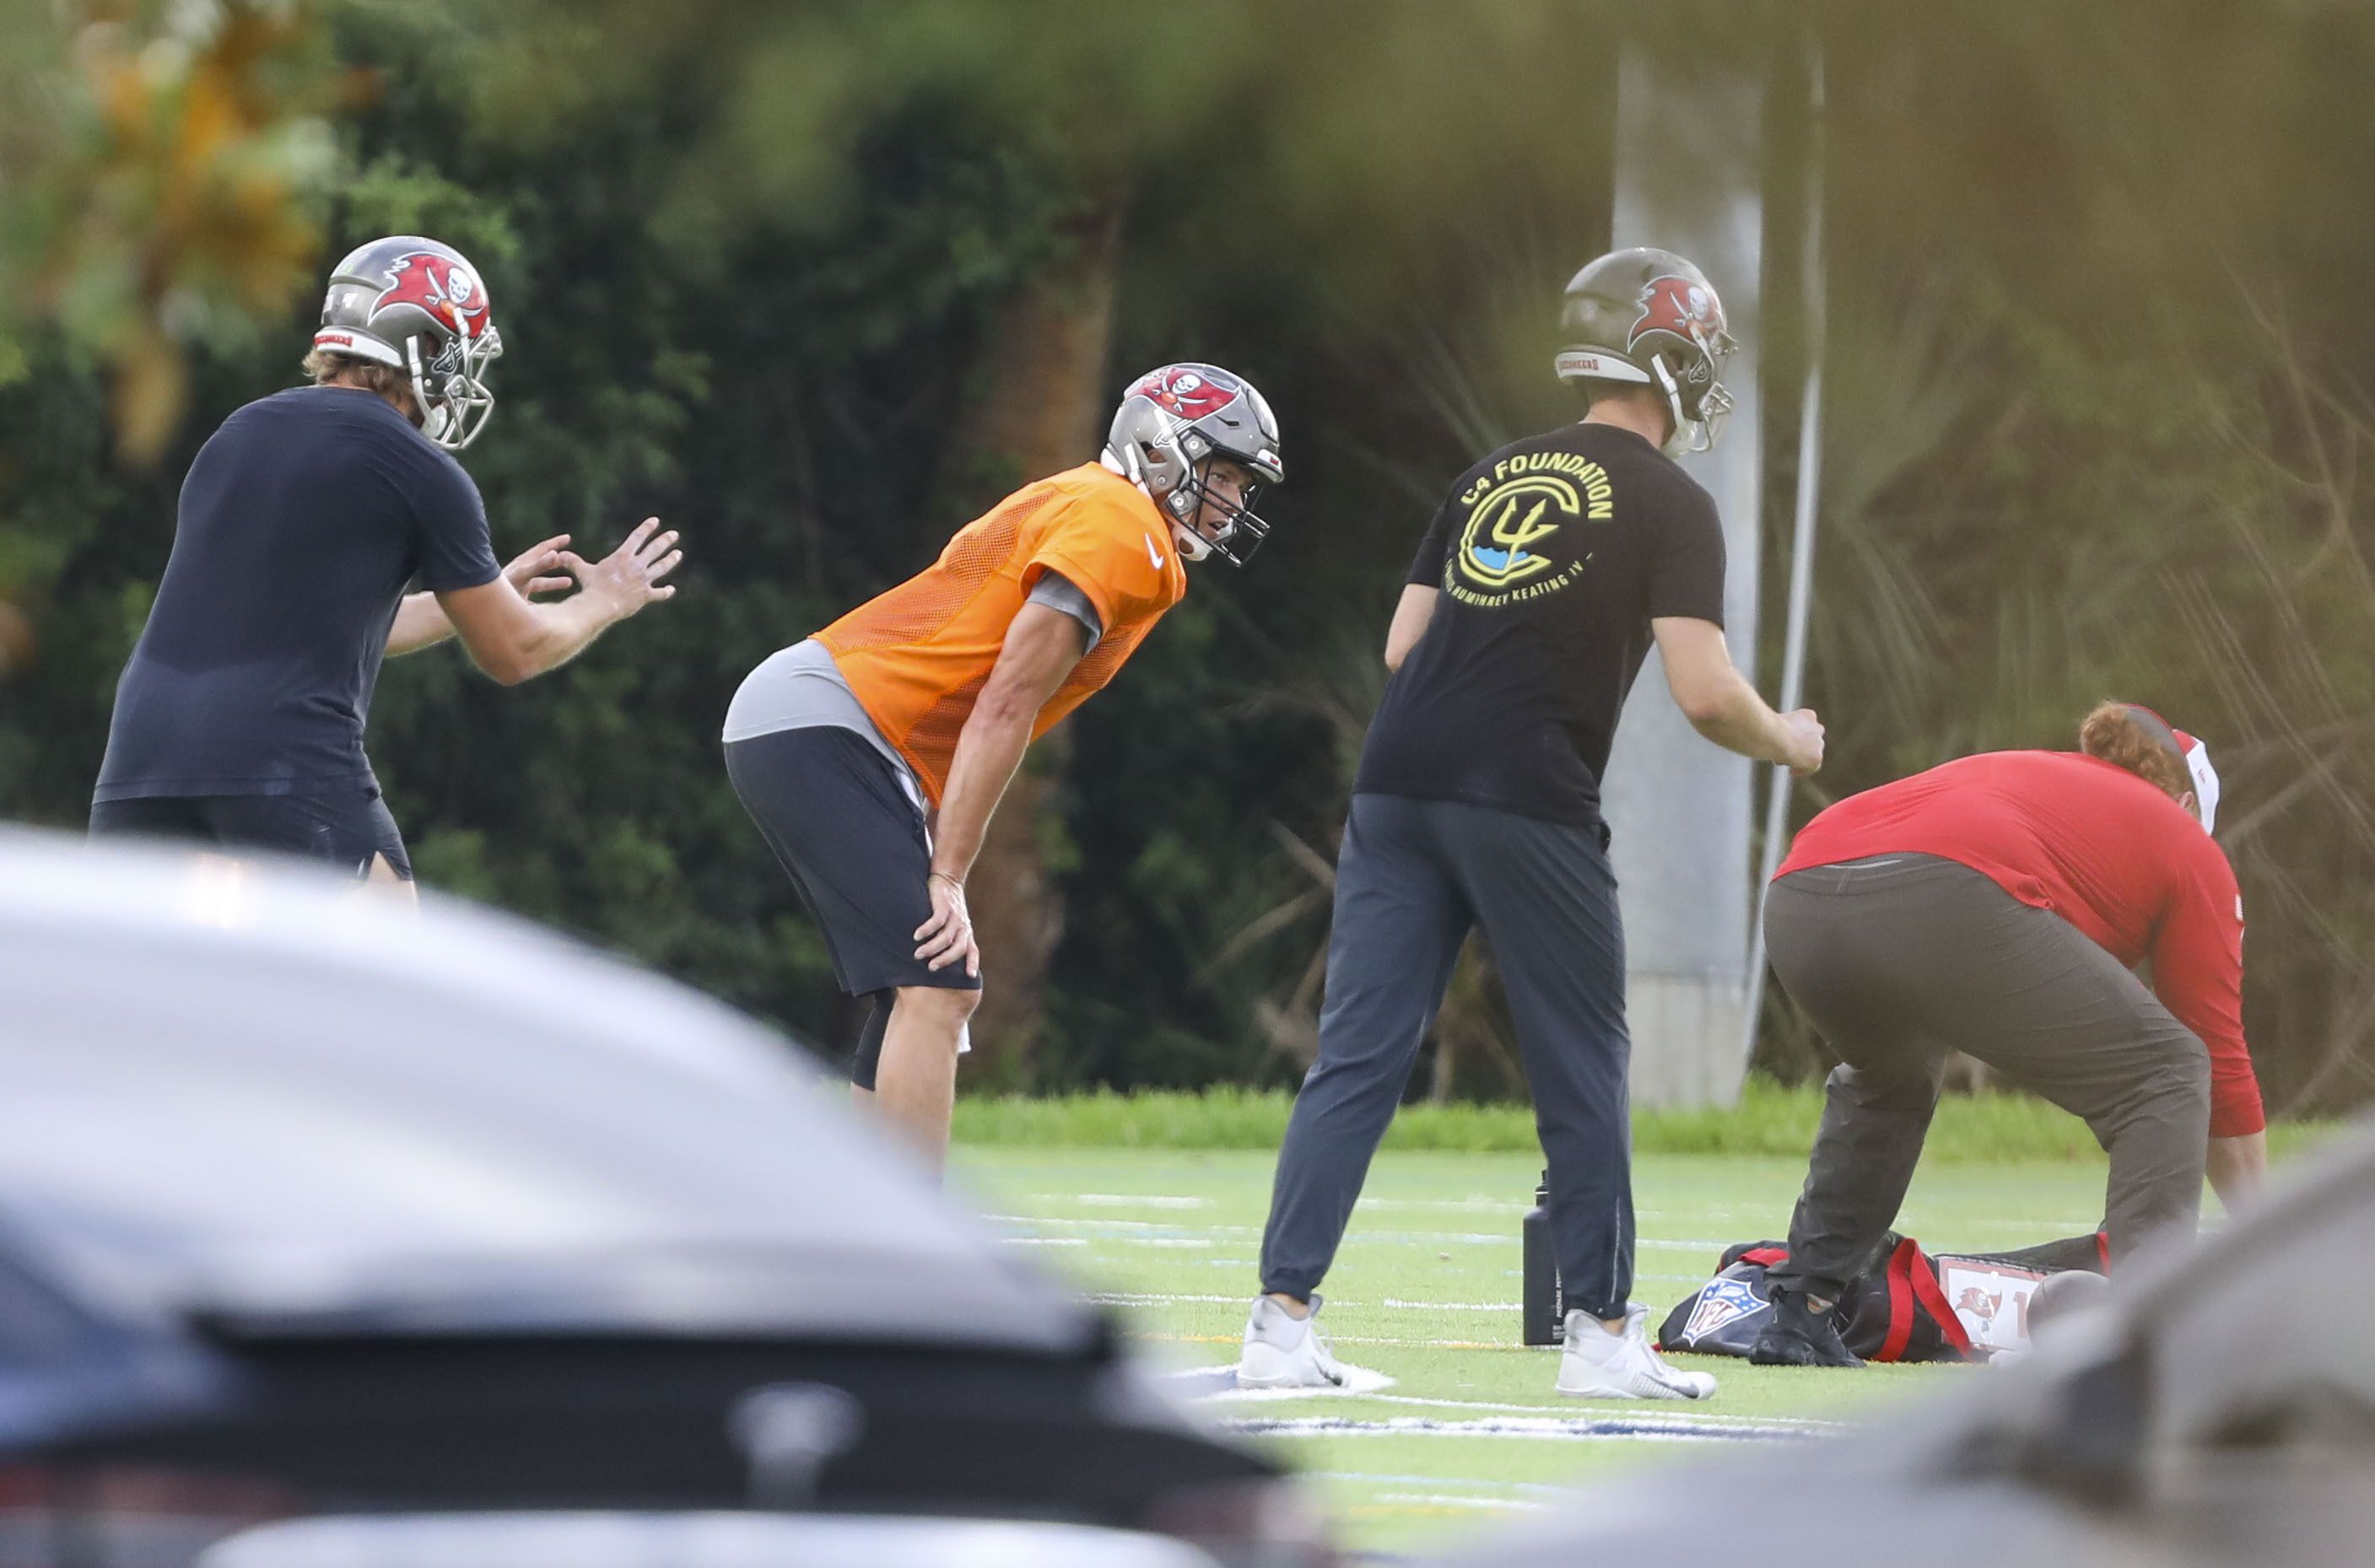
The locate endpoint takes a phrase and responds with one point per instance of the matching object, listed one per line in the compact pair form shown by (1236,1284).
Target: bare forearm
(419,623)
(2238,1167)
(1738,720)
(562,631)
(990,750)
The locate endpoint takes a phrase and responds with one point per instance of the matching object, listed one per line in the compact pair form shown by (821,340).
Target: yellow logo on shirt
(1516,514)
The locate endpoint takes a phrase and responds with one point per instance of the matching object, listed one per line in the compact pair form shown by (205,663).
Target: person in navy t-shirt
(239,719)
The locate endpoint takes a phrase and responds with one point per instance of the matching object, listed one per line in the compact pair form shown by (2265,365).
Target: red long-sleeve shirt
(2100,848)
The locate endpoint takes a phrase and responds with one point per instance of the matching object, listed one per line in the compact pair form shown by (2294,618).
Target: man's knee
(938,1004)
(1885,1084)
(2189,1071)
(2175,1083)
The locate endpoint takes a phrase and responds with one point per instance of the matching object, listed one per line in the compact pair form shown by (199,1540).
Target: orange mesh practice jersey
(918,656)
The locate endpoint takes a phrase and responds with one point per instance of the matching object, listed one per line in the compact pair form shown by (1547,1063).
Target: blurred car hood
(257,1097)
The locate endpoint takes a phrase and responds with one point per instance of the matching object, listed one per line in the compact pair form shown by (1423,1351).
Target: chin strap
(1129,466)
(1192,545)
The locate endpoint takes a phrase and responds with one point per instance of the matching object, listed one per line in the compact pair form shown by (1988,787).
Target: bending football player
(1996,905)
(872,754)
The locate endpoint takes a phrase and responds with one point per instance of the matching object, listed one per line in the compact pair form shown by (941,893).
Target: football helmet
(420,306)
(1170,426)
(1649,316)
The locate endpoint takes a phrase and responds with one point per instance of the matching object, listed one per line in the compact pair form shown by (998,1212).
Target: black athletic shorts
(346,826)
(834,814)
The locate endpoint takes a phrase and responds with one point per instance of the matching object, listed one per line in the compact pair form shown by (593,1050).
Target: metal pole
(1801,559)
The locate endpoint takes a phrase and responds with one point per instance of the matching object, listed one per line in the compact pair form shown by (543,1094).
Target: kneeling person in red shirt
(1996,905)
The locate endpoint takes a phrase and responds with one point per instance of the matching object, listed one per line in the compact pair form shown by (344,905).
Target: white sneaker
(1282,1351)
(1597,1364)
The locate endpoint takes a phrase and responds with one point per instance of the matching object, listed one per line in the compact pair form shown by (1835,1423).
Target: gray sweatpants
(1413,877)
(1900,959)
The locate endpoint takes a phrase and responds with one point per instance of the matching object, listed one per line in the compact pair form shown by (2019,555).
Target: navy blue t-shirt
(1553,555)
(301,521)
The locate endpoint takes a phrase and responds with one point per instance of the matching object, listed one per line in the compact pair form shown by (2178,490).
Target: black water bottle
(1544,1310)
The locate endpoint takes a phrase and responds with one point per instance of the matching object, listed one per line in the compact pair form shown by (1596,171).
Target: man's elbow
(505,667)
(1004,707)
(1705,708)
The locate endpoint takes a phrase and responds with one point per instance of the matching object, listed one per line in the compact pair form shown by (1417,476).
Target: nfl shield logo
(1722,1302)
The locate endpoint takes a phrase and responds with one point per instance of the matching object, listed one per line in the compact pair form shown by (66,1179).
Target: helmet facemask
(1242,529)
(1695,398)
(452,390)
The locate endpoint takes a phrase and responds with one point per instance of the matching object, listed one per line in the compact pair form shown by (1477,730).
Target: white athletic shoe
(1282,1351)
(1597,1364)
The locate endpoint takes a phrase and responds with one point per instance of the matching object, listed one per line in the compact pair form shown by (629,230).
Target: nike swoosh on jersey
(1152,554)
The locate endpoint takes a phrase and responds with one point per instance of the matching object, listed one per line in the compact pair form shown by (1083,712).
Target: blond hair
(2117,734)
(329,369)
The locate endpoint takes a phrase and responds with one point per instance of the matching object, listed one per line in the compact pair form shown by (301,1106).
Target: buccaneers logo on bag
(445,289)
(1191,394)
(1690,311)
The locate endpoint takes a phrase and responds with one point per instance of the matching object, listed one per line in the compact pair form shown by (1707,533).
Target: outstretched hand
(536,571)
(629,577)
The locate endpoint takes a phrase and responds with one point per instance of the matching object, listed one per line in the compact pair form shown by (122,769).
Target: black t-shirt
(301,521)
(1553,555)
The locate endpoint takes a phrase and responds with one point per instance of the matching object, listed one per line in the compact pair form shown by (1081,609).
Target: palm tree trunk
(1044,410)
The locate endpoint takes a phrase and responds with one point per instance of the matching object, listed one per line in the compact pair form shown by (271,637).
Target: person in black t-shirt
(239,718)
(1550,569)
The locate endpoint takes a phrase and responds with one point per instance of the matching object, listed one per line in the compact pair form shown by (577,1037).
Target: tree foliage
(2096,295)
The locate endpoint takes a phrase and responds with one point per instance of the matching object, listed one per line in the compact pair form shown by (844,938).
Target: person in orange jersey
(872,754)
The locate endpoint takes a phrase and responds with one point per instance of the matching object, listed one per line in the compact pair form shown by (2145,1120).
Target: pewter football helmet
(1649,316)
(420,306)
(1168,428)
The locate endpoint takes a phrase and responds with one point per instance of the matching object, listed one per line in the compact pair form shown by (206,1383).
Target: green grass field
(1426,1292)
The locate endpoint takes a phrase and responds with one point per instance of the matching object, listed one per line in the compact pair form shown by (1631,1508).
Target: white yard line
(1119,1229)
(1449,1499)
(1342,1303)
(1589,1429)
(1367,1478)
(1371,1385)
(1105,1222)
(1775,1423)
(1342,1340)
(1101,1223)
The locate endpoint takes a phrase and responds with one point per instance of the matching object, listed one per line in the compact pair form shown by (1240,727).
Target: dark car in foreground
(387,1226)
(2216,1406)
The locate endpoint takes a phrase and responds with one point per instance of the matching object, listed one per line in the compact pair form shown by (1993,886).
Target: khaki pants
(1900,959)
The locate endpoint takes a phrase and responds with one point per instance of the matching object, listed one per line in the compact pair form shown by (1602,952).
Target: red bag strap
(1934,1299)
(1899,1279)
(1764,1257)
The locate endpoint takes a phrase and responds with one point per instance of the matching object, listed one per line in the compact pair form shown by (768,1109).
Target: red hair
(2135,739)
